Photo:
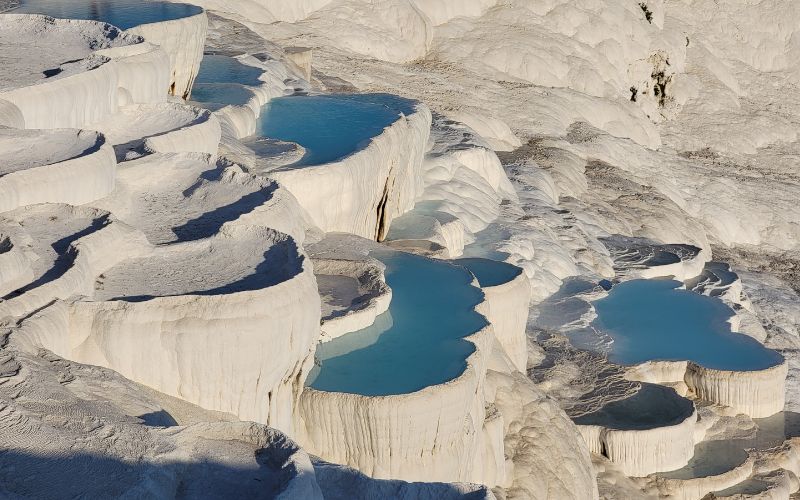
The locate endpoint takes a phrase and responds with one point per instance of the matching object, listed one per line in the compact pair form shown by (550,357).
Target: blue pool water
(123,14)
(221,93)
(330,127)
(418,342)
(490,272)
(224,69)
(654,320)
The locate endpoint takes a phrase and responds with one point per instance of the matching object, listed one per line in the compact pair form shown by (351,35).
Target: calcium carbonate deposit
(400,249)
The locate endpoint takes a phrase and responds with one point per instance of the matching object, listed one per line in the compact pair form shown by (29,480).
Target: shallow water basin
(656,320)
(418,342)
(330,127)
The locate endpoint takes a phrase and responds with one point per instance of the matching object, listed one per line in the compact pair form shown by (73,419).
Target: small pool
(651,407)
(747,487)
(655,320)
(221,93)
(490,272)
(224,69)
(123,14)
(418,342)
(330,127)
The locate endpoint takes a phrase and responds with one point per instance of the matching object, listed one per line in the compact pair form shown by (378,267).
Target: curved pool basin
(330,127)
(651,407)
(123,14)
(417,343)
(224,69)
(655,320)
(489,272)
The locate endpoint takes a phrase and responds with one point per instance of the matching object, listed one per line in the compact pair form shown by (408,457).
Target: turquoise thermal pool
(655,320)
(417,343)
(123,14)
(490,272)
(224,80)
(224,69)
(330,127)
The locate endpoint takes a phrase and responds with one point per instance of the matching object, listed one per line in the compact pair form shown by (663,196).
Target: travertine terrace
(171,274)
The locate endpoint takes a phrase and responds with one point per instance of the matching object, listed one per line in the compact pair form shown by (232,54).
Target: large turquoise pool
(418,342)
(330,127)
(655,320)
(123,14)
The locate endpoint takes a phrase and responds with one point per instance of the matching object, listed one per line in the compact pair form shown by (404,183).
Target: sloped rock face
(78,271)
(183,41)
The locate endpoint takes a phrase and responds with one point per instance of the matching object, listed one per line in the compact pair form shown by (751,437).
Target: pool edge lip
(710,483)
(201,12)
(498,286)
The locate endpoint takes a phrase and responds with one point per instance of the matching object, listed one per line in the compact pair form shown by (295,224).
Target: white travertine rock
(506,308)
(699,487)
(213,347)
(302,58)
(59,166)
(10,115)
(642,452)
(545,454)
(591,55)
(183,40)
(125,71)
(176,317)
(15,266)
(200,199)
(132,72)
(42,49)
(681,271)
(441,11)
(373,297)
(495,132)
(89,256)
(463,186)
(756,393)
(399,34)
(163,128)
(142,72)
